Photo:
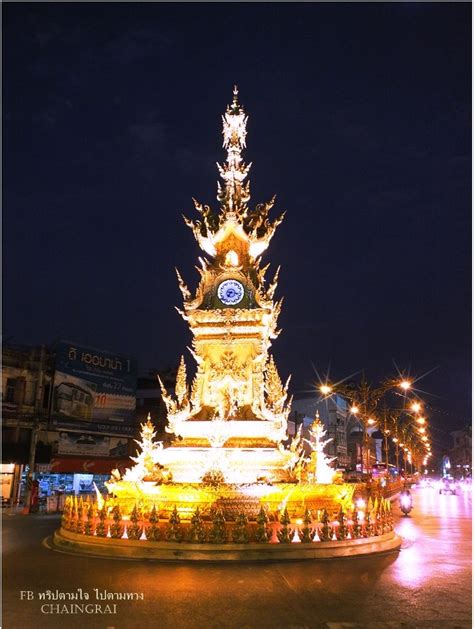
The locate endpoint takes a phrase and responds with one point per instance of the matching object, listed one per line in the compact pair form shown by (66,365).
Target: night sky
(359,121)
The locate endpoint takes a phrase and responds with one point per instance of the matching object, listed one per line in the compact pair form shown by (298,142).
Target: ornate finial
(235,109)
(234,196)
(235,100)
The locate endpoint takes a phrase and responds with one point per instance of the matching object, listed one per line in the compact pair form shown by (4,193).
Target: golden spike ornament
(181,388)
(182,287)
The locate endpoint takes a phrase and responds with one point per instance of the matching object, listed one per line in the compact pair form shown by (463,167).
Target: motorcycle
(406,502)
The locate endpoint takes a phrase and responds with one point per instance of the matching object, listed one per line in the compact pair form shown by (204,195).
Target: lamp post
(419,438)
(365,421)
(365,402)
(386,433)
(397,453)
(35,429)
(403,446)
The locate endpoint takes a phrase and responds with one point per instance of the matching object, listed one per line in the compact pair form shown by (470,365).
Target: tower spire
(235,100)
(235,194)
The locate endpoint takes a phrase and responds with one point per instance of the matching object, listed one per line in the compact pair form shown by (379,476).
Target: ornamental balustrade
(89,519)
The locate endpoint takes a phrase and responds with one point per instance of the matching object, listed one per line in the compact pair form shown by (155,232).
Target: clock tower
(233,416)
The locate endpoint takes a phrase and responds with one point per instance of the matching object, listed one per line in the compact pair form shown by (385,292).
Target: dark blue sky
(360,122)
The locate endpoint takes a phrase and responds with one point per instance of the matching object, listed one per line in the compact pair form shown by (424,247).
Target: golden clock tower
(233,417)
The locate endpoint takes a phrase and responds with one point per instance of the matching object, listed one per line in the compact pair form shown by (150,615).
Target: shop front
(76,476)
(66,476)
(7,475)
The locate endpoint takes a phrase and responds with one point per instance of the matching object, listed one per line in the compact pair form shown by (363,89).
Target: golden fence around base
(88,518)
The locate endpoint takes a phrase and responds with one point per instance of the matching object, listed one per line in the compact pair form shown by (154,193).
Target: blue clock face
(230,292)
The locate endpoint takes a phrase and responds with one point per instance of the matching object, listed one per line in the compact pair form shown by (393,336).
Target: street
(427,584)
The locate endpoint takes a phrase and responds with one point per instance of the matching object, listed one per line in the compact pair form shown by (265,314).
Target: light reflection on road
(430,535)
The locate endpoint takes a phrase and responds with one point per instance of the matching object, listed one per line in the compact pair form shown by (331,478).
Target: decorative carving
(181,388)
(182,286)
(285,535)
(101,529)
(240,533)
(116,529)
(197,532)
(262,534)
(356,530)
(174,531)
(217,534)
(147,462)
(319,470)
(342,530)
(306,534)
(276,392)
(89,525)
(135,529)
(326,531)
(152,532)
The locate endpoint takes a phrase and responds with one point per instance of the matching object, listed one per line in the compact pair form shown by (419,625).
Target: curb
(172,551)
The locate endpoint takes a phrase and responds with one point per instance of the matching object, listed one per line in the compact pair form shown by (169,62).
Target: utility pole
(35,428)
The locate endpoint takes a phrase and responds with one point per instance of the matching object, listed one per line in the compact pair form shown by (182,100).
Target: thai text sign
(93,385)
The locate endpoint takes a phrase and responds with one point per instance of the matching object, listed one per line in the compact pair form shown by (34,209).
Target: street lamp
(365,403)
(325,389)
(355,410)
(397,453)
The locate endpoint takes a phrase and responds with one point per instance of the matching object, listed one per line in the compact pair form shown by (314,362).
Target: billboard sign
(79,444)
(93,386)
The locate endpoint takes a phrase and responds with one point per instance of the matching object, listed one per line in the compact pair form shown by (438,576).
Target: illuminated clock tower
(233,416)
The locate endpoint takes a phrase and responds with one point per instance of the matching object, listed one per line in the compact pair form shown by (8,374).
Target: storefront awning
(64,465)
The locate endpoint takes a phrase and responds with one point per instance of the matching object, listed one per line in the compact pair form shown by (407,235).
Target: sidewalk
(18,510)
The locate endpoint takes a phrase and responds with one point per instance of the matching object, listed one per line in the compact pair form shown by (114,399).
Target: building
(460,454)
(68,414)
(348,445)
(334,414)
(27,374)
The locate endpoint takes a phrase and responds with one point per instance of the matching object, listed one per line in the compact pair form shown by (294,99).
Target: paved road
(427,584)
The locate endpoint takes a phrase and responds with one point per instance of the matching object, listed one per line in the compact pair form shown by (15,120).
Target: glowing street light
(371,421)
(354,410)
(325,389)
(405,385)
(416,407)
(420,420)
